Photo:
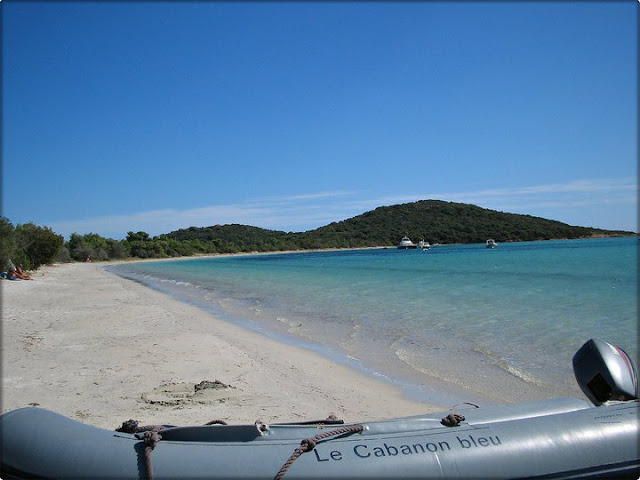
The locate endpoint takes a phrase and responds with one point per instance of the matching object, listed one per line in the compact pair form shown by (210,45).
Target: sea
(452,324)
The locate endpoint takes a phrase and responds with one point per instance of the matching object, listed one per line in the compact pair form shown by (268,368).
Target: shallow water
(455,323)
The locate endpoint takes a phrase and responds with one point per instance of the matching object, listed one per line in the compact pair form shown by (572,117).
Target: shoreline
(498,383)
(416,386)
(101,349)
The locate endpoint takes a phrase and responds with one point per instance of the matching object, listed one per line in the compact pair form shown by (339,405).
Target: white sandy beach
(101,349)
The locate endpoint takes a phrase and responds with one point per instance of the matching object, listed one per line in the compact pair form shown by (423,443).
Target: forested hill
(434,220)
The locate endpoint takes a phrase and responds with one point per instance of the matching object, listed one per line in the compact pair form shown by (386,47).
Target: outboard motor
(605,372)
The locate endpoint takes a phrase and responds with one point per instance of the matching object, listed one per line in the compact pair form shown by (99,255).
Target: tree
(78,249)
(116,249)
(137,237)
(139,245)
(36,245)
(95,246)
(7,242)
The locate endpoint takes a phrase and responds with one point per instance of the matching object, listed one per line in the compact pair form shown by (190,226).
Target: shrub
(116,250)
(36,245)
(7,242)
(63,256)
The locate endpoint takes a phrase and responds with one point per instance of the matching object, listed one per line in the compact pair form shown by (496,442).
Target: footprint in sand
(205,392)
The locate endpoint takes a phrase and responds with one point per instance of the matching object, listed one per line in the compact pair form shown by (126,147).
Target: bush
(82,253)
(63,256)
(100,254)
(36,245)
(93,245)
(117,250)
(7,242)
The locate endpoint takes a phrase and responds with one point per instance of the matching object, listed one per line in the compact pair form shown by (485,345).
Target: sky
(154,116)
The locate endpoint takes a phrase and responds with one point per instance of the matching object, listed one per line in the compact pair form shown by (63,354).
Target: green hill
(434,220)
(236,238)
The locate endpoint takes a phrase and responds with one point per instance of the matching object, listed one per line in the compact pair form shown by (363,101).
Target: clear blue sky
(157,116)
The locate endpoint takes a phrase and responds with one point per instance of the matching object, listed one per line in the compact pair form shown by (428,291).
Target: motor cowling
(605,372)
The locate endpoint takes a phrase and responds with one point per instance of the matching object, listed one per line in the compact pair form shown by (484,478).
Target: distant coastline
(433,221)
(320,250)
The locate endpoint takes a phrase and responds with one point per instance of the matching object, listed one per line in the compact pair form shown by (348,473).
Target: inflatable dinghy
(559,438)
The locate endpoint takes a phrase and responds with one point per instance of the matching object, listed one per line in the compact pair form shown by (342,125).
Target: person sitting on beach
(11,274)
(21,274)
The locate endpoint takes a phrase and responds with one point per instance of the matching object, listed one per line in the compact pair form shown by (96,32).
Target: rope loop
(133,426)
(130,426)
(452,420)
(216,422)
(309,444)
(151,438)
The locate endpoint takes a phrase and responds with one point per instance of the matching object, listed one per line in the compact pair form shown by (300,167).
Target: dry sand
(102,349)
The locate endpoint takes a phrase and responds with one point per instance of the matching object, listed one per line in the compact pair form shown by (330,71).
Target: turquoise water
(455,323)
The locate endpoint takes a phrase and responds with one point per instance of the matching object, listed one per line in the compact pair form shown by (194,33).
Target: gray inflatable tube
(560,438)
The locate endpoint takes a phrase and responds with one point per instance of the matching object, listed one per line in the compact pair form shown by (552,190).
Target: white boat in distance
(406,243)
(424,245)
(491,243)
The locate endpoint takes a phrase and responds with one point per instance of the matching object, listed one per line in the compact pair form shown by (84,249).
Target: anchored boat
(559,438)
(406,243)
(424,245)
